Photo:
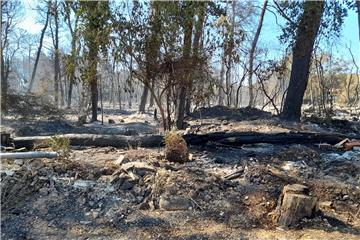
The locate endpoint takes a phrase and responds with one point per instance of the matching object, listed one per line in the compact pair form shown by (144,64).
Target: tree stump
(294,204)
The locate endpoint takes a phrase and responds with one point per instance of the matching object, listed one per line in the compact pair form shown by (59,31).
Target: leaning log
(226,138)
(22,155)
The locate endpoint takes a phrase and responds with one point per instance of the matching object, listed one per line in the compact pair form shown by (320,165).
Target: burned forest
(180,119)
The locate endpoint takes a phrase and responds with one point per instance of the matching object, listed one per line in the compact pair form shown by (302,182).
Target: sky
(268,37)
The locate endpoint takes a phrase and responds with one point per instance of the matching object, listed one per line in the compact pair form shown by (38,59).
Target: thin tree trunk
(221,83)
(251,55)
(56,55)
(302,51)
(39,50)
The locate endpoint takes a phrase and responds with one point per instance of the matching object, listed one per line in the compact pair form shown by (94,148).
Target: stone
(106,178)
(43,191)
(111,121)
(83,184)
(325,204)
(8,173)
(174,203)
(95,213)
(127,184)
(19,162)
(140,168)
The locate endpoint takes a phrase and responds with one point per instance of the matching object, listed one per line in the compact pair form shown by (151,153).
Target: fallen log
(227,138)
(21,155)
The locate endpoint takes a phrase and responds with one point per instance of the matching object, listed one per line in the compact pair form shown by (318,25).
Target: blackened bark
(252,53)
(302,51)
(94,99)
(69,96)
(39,50)
(187,62)
(56,56)
(143,99)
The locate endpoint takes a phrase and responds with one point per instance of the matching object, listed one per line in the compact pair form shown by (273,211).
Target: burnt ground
(110,193)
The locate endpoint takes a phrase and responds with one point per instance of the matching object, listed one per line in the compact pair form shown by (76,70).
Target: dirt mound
(226,113)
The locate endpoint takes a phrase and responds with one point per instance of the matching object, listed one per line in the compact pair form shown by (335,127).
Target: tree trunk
(188,26)
(39,50)
(251,55)
(226,138)
(68,104)
(302,51)
(221,82)
(201,10)
(143,99)
(94,98)
(56,56)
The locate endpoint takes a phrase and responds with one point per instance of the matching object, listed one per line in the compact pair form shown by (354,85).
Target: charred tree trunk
(56,54)
(252,53)
(39,50)
(226,138)
(188,26)
(302,51)
(143,99)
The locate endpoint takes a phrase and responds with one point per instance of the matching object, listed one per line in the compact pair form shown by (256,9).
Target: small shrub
(176,149)
(61,145)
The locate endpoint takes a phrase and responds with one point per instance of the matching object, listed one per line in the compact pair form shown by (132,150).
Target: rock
(139,168)
(294,205)
(111,121)
(95,213)
(83,184)
(106,178)
(174,203)
(345,197)
(19,162)
(325,204)
(127,184)
(8,173)
(43,191)
(122,160)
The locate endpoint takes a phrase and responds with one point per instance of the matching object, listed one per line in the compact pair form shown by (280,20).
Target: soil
(111,193)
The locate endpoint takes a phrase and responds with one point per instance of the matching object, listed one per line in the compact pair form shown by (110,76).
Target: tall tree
(47,18)
(9,16)
(55,38)
(95,16)
(71,7)
(152,48)
(196,48)
(251,55)
(302,51)
(188,29)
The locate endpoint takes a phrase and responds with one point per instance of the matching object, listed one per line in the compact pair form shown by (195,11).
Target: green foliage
(331,22)
(176,149)
(61,145)
(95,29)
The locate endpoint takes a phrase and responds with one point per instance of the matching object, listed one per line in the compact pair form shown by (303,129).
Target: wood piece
(21,155)
(294,204)
(280,174)
(232,138)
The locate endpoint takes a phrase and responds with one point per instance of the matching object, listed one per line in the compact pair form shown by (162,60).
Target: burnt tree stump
(294,204)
